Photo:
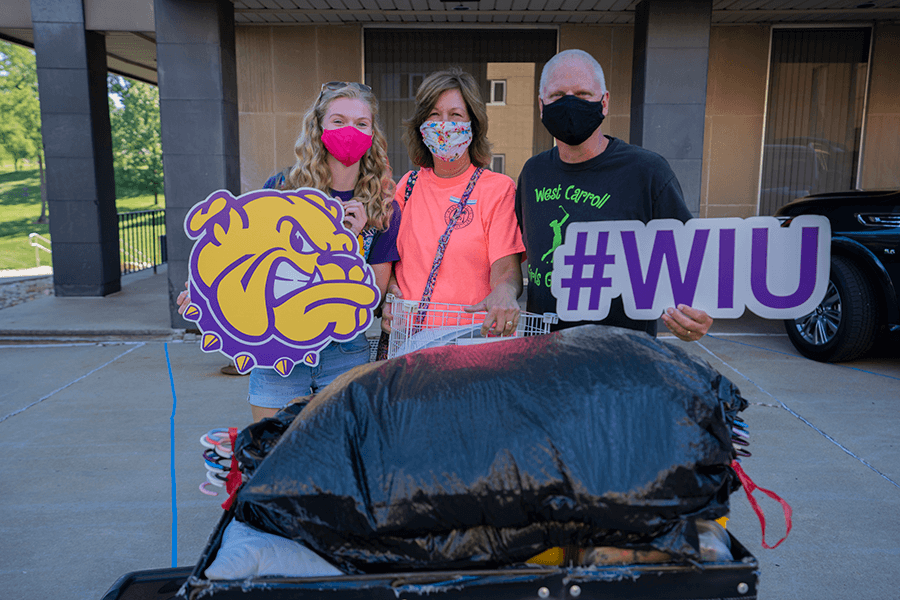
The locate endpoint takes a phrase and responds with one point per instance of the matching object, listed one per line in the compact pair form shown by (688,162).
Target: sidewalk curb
(23,279)
(24,336)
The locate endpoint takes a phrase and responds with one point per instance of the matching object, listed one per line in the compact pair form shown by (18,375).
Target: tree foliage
(137,150)
(134,117)
(20,125)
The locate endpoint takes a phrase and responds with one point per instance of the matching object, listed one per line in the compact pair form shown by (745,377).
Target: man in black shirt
(591,177)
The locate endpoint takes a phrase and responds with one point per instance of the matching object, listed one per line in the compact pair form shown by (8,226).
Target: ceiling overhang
(536,12)
(133,54)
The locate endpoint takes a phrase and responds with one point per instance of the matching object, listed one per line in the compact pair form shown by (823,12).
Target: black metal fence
(142,240)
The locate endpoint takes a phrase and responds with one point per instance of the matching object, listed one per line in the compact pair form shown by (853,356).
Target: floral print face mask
(447,140)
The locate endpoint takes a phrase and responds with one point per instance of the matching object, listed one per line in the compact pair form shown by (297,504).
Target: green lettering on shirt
(578,195)
(534,276)
(545,194)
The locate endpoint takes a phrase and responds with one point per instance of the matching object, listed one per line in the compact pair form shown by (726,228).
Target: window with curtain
(814,113)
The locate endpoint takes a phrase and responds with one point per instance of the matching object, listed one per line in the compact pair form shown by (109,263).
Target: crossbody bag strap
(445,238)
(410,182)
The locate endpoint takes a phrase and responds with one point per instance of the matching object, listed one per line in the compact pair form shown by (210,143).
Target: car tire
(844,326)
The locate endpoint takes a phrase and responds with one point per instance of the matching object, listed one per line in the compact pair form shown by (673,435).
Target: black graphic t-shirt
(624,183)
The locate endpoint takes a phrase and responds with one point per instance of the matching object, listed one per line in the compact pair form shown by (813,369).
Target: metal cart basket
(416,325)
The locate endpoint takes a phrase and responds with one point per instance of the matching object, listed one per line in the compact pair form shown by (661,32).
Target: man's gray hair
(565,55)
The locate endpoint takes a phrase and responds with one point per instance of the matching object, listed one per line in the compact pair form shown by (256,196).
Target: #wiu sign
(721,266)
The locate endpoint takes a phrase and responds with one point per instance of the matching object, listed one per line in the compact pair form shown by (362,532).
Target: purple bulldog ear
(326,204)
(204,214)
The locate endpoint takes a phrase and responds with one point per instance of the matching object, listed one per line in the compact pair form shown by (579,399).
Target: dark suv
(861,301)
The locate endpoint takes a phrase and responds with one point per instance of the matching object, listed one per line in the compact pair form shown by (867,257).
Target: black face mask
(572,120)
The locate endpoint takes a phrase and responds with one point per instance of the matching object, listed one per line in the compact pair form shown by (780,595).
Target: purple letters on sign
(718,265)
(758,261)
(580,261)
(663,247)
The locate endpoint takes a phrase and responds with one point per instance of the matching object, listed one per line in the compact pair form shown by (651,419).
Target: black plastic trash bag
(480,456)
(257,440)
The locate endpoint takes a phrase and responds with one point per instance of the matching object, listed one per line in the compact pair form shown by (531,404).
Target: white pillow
(248,552)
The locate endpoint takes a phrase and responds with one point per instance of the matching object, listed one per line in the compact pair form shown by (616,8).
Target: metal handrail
(38,246)
(142,240)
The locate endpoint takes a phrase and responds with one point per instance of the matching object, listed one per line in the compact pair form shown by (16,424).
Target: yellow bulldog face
(275,276)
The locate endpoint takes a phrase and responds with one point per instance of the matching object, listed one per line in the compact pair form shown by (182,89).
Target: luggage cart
(416,325)
(437,325)
(734,580)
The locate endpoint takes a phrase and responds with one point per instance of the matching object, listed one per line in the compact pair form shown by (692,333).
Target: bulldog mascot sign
(274,277)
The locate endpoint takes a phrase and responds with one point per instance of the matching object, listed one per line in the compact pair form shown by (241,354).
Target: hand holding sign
(687,323)
(719,266)
(275,276)
(355,217)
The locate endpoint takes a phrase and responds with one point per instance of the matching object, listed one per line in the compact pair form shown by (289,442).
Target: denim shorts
(268,389)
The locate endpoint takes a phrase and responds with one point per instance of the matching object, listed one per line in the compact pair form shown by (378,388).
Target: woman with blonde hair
(459,241)
(325,148)
(340,150)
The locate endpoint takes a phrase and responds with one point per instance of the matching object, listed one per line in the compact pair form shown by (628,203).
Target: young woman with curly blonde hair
(340,150)
(369,177)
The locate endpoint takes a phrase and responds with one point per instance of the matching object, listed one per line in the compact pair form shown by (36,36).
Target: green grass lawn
(20,207)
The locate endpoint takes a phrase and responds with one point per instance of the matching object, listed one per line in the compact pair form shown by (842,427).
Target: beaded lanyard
(442,242)
(368,235)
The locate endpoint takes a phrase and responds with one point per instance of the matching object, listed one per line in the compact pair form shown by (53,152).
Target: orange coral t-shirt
(485,232)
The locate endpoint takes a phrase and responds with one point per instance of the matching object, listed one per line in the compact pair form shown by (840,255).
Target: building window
(415,80)
(498,163)
(498,91)
(814,115)
(398,86)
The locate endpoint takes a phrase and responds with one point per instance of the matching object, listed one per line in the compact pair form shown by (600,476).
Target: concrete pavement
(824,438)
(101,461)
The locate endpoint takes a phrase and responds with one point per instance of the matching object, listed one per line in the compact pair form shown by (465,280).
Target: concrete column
(81,188)
(195,55)
(668,86)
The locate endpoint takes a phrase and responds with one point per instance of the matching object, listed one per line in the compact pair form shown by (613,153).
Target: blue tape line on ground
(172,462)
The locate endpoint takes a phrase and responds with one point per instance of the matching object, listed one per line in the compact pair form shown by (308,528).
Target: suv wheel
(845,324)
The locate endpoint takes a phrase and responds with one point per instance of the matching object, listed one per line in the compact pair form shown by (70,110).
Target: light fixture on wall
(459,3)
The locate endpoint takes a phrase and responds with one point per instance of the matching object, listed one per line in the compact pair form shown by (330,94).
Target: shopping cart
(416,325)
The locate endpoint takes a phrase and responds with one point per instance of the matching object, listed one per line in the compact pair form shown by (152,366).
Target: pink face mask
(347,144)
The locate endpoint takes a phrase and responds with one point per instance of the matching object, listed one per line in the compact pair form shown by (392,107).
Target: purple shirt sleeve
(384,248)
